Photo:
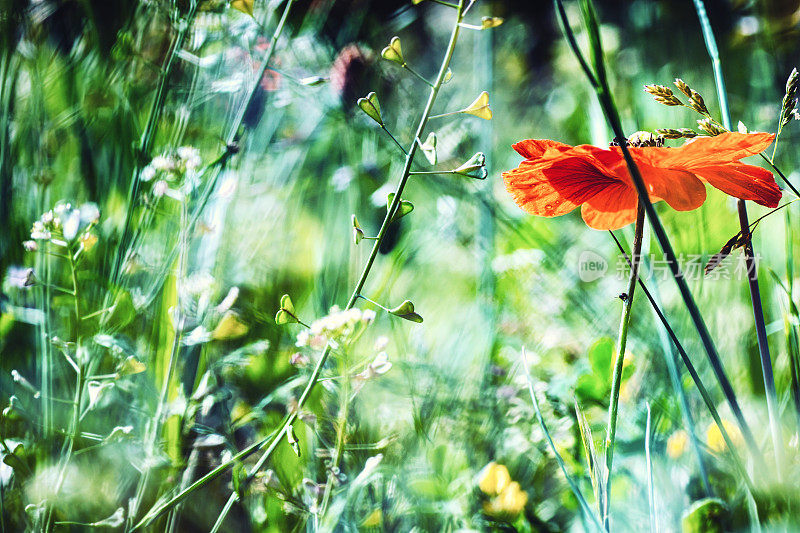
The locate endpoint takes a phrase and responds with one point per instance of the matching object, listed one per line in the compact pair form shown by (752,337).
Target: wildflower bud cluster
(173,173)
(64,224)
(338,327)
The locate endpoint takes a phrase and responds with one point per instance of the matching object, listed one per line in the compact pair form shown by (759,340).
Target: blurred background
(78,81)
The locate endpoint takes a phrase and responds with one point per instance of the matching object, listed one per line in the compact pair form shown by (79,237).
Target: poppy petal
(555,186)
(708,151)
(679,188)
(613,208)
(747,182)
(533,148)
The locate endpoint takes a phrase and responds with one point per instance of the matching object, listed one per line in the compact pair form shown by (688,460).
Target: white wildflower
(40,232)
(379,366)
(190,156)
(160,188)
(163,163)
(148,173)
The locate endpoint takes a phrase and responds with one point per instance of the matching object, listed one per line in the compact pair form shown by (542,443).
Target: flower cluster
(507,499)
(338,327)
(173,174)
(65,224)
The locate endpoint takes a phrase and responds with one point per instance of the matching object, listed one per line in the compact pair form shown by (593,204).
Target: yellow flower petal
(494,479)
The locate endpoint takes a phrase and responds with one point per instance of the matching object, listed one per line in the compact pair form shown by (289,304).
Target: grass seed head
(710,127)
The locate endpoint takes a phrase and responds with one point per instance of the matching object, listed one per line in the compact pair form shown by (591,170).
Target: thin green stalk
(587,510)
(148,135)
(154,427)
(651,493)
(793,339)
(315,374)
(698,382)
(616,380)
(791,320)
(69,444)
(341,431)
(671,359)
(755,295)
(612,116)
(417,74)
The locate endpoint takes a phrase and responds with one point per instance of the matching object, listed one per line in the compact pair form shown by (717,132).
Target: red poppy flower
(555,178)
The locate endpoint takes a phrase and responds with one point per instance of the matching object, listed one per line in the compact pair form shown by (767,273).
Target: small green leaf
(245,6)
(286,303)
(480,107)
(447,76)
(313,81)
(230,327)
(403,209)
(406,311)
(282,317)
(286,314)
(131,365)
(239,475)
(122,312)
(292,440)
(370,105)
(475,167)
(429,148)
(394,52)
(491,22)
(358,233)
(708,516)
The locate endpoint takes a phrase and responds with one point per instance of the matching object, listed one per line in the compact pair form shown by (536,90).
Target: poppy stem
(698,382)
(752,273)
(616,379)
(763,345)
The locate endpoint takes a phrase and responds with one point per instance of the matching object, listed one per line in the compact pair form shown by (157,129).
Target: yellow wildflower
(714,436)
(510,502)
(507,497)
(676,444)
(494,479)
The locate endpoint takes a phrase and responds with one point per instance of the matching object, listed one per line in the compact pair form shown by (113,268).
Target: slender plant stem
(571,482)
(316,372)
(616,379)
(612,116)
(651,493)
(146,140)
(341,433)
(671,359)
(69,445)
(417,74)
(154,427)
(752,271)
(707,399)
(791,326)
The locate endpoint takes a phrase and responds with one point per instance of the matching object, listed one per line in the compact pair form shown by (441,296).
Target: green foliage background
(78,81)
